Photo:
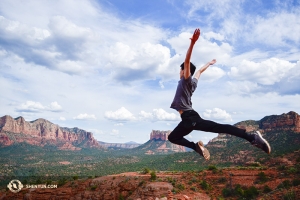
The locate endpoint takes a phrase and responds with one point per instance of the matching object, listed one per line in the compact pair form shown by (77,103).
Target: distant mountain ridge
(41,132)
(127,145)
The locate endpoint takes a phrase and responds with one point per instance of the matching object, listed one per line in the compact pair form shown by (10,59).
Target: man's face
(181,73)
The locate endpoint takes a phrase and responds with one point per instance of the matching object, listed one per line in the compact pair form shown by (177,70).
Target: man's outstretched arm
(187,70)
(202,69)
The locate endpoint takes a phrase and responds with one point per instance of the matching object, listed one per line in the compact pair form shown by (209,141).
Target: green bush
(296,182)
(262,177)
(226,192)
(212,167)
(290,196)
(145,170)
(153,176)
(285,184)
(267,189)
(204,185)
(251,193)
(180,187)
(93,188)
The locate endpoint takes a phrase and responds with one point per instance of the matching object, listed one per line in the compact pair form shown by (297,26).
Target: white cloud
(212,74)
(114,132)
(119,124)
(276,29)
(96,131)
(158,115)
(217,114)
(121,114)
(267,72)
(54,107)
(85,117)
(212,35)
(31,106)
(62,118)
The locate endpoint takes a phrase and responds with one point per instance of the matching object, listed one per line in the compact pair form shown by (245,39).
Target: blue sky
(112,68)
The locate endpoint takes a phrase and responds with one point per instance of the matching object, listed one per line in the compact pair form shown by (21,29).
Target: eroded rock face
(41,132)
(289,121)
(159,135)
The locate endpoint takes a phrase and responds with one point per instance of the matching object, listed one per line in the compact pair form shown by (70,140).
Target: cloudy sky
(112,68)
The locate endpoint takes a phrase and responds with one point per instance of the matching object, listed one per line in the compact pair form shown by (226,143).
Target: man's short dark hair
(192,67)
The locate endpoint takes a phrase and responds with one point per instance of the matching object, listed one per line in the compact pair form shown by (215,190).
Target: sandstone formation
(289,121)
(42,132)
(159,144)
(159,135)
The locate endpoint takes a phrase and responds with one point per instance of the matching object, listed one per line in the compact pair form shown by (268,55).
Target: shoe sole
(205,152)
(264,141)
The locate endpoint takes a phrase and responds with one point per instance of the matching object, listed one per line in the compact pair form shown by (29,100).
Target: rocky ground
(206,184)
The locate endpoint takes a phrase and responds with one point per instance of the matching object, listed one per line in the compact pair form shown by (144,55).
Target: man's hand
(195,36)
(212,61)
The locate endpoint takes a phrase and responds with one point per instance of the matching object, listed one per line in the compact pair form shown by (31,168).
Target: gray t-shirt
(184,92)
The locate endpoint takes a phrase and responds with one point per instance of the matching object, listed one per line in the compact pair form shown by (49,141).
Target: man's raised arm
(202,69)
(187,71)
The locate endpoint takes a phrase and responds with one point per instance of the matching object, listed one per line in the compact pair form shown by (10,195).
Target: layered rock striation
(42,132)
(159,135)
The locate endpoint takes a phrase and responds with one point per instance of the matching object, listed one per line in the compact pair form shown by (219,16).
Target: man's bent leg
(177,136)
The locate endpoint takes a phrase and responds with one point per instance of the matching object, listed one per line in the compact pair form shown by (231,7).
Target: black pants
(191,120)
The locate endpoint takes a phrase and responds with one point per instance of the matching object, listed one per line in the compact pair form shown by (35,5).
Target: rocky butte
(159,143)
(42,132)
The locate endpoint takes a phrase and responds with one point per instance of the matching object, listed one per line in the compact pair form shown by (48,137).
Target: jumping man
(191,120)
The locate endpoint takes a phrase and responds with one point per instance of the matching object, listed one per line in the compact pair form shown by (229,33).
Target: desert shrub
(262,177)
(180,187)
(61,182)
(141,183)
(281,167)
(226,192)
(285,184)
(121,197)
(75,177)
(296,182)
(204,185)
(153,176)
(292,170)
(267,189)
(290,195)
(248,193)
(222,180)
(212,167)
(145,170)
(93,188)
(194,189)
(251,193)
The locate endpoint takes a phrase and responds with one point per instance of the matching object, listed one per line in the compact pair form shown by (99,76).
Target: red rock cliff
(159,135)
(286,121)
(41,132)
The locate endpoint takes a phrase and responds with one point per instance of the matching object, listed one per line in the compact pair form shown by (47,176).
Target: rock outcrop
(159,135)
(42,132)
(288,121)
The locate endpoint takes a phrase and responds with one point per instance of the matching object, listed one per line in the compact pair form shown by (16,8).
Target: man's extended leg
(254,138)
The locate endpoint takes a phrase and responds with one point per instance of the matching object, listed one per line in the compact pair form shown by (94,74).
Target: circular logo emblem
(15,186)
